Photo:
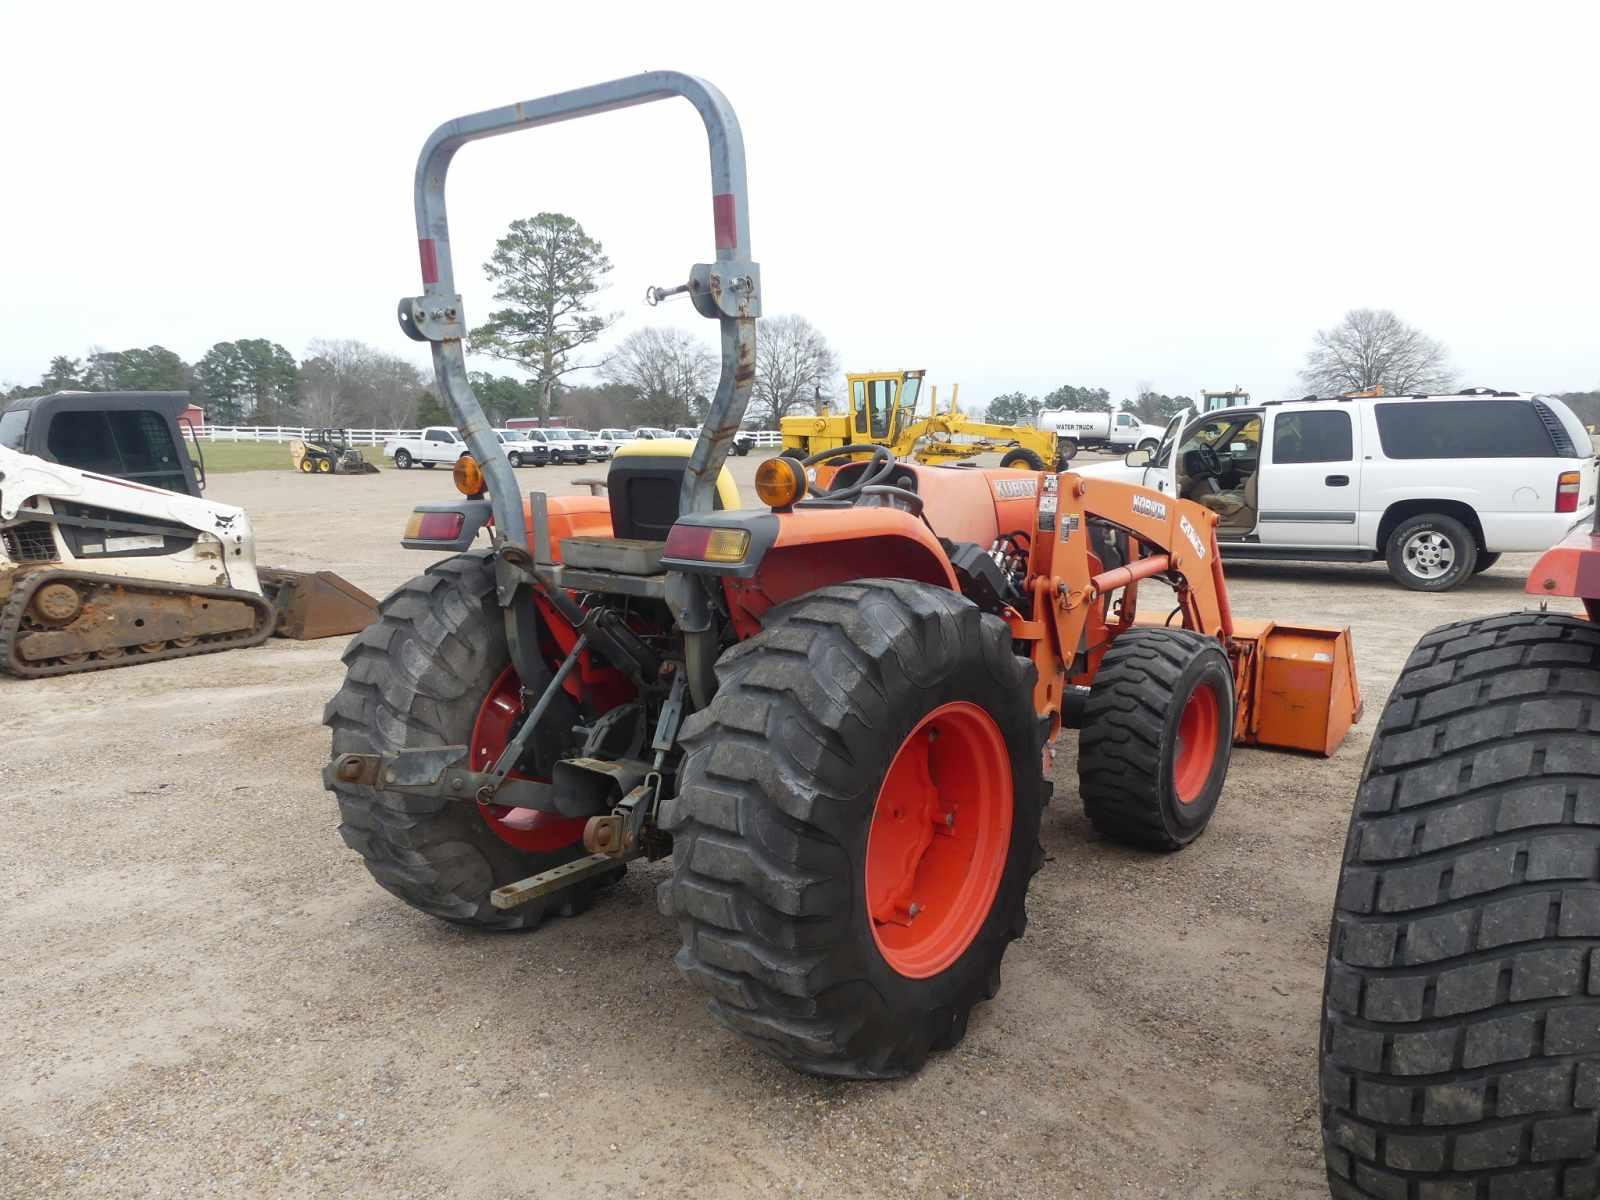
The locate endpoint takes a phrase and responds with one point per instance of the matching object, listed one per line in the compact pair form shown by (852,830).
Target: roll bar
(727,289)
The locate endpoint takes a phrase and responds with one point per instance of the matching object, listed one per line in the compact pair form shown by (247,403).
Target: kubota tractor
(834,711)
(1460,1052)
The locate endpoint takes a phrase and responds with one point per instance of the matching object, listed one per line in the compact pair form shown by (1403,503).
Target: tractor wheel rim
(939,839)
(1429,554)
(1196,752)
(526,829)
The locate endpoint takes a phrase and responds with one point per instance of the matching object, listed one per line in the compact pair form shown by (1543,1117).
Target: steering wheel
(1203,461)
(878,470)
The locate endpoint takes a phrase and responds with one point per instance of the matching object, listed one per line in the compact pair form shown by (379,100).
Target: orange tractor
(835,711)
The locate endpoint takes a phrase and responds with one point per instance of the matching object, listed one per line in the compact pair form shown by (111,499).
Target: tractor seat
(642,487)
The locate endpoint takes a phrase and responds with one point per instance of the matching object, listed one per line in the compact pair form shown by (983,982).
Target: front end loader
(110,555)
(834,711)
(328,452)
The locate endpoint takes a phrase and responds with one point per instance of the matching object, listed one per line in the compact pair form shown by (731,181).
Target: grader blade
(1296,685)
(316,604)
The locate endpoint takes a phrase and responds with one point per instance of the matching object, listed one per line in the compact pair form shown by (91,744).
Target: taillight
(435,526)
(705,544)
(1568,484)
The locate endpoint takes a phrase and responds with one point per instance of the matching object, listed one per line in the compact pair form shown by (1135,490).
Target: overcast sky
(1029,196)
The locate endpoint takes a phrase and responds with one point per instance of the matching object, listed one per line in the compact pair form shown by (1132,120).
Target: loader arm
(1295,686)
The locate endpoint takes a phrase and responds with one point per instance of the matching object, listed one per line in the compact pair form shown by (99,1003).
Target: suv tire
(1431,553)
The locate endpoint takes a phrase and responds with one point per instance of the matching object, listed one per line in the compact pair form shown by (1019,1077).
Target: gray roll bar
(728,289)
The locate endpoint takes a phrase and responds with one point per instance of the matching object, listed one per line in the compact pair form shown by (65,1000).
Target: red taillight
(435,526)
(1568,485)
(687,541)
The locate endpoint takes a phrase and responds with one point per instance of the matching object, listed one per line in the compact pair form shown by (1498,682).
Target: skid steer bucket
(1296,685)
(316,604)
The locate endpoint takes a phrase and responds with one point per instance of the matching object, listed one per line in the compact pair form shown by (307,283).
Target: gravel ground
(205,994)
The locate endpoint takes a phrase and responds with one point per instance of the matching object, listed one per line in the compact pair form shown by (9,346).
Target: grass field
(260,456)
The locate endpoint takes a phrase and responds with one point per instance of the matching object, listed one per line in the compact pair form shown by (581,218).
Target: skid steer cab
(835,708)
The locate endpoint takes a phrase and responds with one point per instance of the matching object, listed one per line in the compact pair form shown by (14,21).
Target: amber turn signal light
(780,482)
(468,476)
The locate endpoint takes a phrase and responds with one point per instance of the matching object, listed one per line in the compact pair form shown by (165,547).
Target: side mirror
(1137,458)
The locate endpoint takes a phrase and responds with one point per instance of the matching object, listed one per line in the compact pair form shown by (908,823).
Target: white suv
(1437,485)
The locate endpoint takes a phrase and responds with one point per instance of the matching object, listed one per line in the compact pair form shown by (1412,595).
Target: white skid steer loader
(109,555)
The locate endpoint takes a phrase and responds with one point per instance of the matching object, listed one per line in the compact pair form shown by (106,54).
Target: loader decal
(1150,508)
(1194,538)
(1014,489)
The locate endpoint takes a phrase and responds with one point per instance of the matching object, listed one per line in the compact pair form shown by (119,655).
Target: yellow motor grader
(881,410)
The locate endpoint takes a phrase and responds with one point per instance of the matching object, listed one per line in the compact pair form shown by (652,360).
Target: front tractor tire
(1157,737)
(856,825)
(434,670)
(1460,1049)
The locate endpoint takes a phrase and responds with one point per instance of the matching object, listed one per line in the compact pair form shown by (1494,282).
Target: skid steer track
(104,601)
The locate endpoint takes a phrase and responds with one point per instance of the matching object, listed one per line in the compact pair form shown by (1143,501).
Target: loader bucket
(316,604)
(1296,685)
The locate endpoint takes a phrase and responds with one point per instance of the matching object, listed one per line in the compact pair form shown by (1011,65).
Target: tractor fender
(792,553)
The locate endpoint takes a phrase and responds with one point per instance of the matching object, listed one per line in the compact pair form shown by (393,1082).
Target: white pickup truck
(1099,430)
(435,444)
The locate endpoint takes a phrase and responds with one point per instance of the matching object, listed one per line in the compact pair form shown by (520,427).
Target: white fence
(766,439)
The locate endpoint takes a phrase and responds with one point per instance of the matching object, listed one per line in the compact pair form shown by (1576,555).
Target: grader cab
(834,711)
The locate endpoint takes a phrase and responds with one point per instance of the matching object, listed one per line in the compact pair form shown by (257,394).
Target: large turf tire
(417,677)
(1022,459)
(771,818)
(1460,1052)
(1132,750)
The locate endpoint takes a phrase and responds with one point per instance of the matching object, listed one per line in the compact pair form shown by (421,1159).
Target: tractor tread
(771,791)
(1460,1050)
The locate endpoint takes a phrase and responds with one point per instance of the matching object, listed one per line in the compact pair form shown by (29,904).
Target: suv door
(1308,485)
(1161,472)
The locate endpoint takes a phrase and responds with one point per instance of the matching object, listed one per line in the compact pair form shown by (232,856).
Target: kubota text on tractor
(835,711)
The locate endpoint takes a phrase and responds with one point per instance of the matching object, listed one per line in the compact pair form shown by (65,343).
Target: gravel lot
(205,994)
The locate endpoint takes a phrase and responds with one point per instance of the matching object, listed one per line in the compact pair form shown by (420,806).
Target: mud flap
(1296,685)
(317,604)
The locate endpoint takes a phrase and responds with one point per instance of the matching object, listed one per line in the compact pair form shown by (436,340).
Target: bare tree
(793,361)
(1373,348)
(346,382)
(669,372)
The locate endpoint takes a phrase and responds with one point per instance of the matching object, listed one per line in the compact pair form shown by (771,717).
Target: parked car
(435,444)
(613,439)
(650,432)
(521,450)
(1099,431)
(1439,486)
(599,448)
(567,446)
(687,431)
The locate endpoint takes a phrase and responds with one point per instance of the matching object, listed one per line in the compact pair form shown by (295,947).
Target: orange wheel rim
(940,834)
(1196,751)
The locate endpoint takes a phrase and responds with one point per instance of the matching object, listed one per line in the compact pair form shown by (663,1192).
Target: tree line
(546,272)
(1368,349)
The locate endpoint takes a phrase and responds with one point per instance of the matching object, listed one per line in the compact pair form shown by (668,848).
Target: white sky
(1014,198)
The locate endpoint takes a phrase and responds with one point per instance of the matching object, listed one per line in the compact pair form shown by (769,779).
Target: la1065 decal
(1194,538)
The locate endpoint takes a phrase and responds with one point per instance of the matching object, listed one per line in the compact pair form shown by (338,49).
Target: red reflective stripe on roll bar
(430,260)
(727,228)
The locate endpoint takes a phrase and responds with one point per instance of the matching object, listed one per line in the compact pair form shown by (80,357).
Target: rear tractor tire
(1157,737)
(434,670)
(1022,459)
(856,825)
(1460,1049)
